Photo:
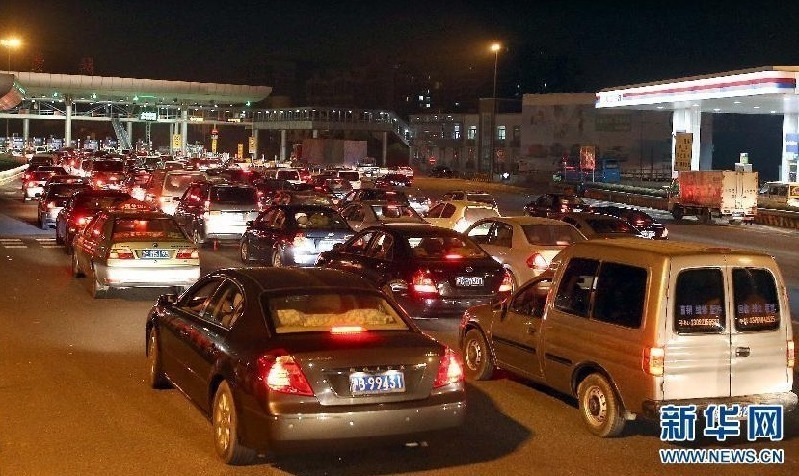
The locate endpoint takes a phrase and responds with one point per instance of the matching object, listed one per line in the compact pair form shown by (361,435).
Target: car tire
(98,290)
(477,359)
(600,408)
(59,240)
(42,224)
(225,424)
(76,272)
(277,258)
(677,212)
(156,376)
(244,252)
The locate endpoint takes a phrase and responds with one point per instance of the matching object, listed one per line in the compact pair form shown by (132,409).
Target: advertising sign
(176,141)
(252,144)
(683,150)
(588,157)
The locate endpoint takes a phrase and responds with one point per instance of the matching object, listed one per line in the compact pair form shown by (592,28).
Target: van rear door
(760,327)
(697,348)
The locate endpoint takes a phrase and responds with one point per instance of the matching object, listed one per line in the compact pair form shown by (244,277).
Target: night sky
(555,46)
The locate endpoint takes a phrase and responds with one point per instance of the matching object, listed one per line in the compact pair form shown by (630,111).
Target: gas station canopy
(764,90)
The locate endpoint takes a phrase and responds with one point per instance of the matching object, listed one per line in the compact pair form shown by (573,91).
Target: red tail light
(80,221)
(450,369)
(537,262)
(347,330)
(506,285)
(282,374)
(790,355)
(187,254)
(653,361)
(423,283)
(120,253)
(453,256)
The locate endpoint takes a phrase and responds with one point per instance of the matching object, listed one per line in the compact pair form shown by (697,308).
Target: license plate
(468,281)
(366,383)
(648,234)
(155,254)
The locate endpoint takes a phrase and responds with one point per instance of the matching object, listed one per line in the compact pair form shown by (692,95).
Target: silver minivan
(630,326)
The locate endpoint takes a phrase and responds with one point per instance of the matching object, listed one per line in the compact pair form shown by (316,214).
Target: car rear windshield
(43,175)
(108,166)
(699,301)
(331,312)
(395,211)
(472,214)
(757,306)
(351,176)
(288,175)
(610,226)
(320,220)
(101,202)
(176,184)
(444,247)
(480,197)
(63,190)
(135,229)
(234,195)
(551,235)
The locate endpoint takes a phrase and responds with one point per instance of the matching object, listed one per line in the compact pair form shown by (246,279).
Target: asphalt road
(73,397)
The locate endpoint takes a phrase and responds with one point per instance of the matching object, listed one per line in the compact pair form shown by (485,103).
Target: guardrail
(11,174)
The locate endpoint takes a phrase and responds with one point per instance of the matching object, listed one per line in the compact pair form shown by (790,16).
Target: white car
(459,214)
(525,246)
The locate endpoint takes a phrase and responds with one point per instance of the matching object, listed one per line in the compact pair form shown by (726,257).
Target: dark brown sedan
(314,358)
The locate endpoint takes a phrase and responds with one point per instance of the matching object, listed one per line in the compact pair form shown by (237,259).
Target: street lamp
(9,43)
(495,47)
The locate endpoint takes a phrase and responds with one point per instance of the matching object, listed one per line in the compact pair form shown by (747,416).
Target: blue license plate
(367,383)
(155,254)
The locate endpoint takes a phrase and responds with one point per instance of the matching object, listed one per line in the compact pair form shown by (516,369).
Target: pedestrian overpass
(26,97)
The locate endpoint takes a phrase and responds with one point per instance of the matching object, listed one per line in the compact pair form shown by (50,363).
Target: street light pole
(9,43)
(495,47)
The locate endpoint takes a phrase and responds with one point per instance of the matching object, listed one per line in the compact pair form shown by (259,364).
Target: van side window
(574,291)
(755,299)
(620,295)
(699,301)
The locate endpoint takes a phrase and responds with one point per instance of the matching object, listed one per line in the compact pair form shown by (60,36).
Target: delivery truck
(714,195)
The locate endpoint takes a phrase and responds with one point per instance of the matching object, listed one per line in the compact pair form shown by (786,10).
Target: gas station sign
(683,150)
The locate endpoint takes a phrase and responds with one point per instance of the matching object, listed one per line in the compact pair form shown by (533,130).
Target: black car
(442,171)
(430,271)
(80,208)
(280,358)
(362,194)
(638,218)
(551,205)
(394,180)
(292,235)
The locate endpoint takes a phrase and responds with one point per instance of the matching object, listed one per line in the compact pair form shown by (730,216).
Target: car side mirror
(166,300)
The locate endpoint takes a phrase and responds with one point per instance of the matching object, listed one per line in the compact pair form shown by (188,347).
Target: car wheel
(59,240)
(600,407)
(677,213)
(226,429)
(245,252)
(477,356)
(76,272)
(99,291)
(277,259)
(706,217)
(42,224)
(156,372)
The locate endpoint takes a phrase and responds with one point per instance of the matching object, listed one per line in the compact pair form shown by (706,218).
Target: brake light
(790,355)
(506,285)
(347,330)
(537,262)
(284,375)
(453,256)
(423,283)
(120,253)
(653,361)
(80,221)
(450,369)
(98,183)
(187,254)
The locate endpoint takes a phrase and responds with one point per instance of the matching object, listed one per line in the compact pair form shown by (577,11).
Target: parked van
(629,326)
(778,194)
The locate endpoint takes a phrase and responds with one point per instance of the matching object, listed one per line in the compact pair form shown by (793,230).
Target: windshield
(395,211)
(108,166)
(288,175)
(551,235)
(328,311)
(443,247)
(351,176)
(97,203)
(472,214)
(176,184)
(64,190)
(234,195)
(480,197)
(127,229)
(320,220)
(611,226)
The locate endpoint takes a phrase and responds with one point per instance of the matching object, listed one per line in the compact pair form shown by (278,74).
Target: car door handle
(742,351)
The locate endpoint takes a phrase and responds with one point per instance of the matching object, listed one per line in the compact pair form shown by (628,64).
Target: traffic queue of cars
(314,341)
